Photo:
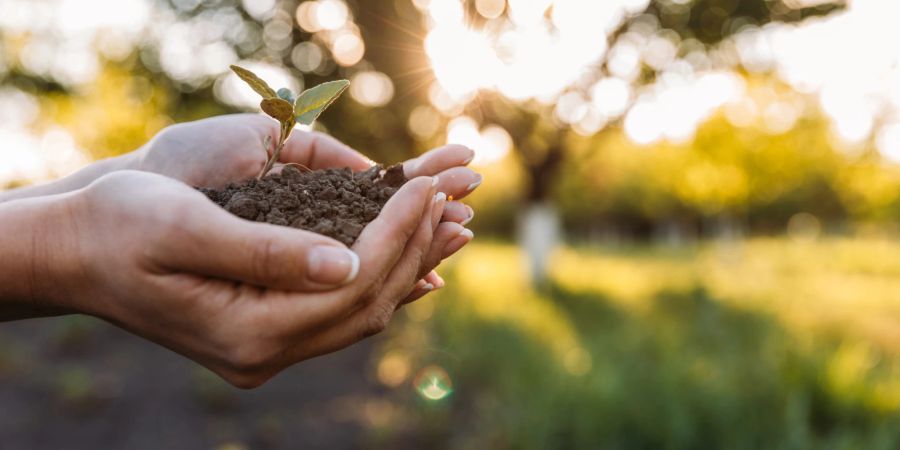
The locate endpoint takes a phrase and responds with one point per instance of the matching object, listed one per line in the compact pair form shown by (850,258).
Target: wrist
(77,180)
(38,256)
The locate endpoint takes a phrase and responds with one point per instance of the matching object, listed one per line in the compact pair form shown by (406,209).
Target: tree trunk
(539,224)
(539,235)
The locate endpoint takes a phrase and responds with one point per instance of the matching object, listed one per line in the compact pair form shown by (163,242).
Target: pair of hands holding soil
(131,241)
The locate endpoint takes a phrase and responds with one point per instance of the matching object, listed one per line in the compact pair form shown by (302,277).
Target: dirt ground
(79,383)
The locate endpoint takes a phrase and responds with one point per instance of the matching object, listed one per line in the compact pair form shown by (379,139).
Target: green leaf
(286,94)
(313,101)
(277,108)
(254,82)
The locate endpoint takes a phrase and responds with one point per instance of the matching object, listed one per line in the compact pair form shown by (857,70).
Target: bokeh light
(610,96)
(393,369)
(332,14)
(348,49)
(259,9)
(490,9)
(307,16)
(307,56)
(372,88)
(490,144)
(424,121)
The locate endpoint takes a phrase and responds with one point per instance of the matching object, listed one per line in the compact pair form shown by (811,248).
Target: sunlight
(857,79)
(454,68)
(514,56)
(534,54)
(490,144)
(446,12)
(34,158)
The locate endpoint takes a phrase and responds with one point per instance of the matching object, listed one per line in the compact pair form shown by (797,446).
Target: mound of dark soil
(335,202)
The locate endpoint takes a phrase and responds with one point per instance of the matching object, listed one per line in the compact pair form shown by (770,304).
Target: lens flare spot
(433,383)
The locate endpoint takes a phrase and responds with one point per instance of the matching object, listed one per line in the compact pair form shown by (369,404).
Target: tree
(629,45)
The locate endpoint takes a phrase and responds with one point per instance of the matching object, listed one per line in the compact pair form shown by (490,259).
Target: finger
(448,238)
(383,241)
(430,283)
(435,280)
(458,182)
(438,160)
(458,212)
(422,289)
(320,151)
(214,243)
(379,246)
(398,285)
(456,243)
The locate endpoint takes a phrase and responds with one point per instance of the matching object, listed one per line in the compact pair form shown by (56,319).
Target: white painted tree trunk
(539,235)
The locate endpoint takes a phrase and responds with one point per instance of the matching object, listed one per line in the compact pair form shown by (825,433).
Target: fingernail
(428,287)
(414,165)
(437,208)
(475,184)
(470,158)
(458,242)
(332,265)
(469,217)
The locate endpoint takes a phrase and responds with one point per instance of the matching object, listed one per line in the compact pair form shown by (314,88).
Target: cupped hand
(224,149)
(216,151)
(244,299)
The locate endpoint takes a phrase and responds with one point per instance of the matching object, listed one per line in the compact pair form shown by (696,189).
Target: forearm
(36,250)
(74,181)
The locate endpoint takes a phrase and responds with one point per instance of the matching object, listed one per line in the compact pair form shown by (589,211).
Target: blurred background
(687,233)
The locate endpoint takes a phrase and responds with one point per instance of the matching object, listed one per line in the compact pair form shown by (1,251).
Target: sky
(845,62)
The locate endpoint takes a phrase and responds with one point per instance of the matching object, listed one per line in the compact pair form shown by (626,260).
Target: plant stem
(271,161)
(277,153)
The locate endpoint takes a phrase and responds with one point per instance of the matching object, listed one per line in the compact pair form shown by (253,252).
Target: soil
(335,202)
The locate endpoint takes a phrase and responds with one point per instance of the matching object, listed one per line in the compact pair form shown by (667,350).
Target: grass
(767,343)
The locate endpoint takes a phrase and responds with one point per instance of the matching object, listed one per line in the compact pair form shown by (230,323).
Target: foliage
(762,344)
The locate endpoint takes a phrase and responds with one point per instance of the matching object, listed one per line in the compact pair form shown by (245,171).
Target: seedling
(282,106)
(336,202)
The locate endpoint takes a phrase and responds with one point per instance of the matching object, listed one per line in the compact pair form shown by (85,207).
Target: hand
(244,299)
(224,149)
(220,150)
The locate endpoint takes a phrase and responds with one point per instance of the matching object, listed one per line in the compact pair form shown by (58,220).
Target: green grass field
(766,343)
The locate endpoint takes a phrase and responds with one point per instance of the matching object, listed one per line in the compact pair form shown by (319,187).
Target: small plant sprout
(288,111)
